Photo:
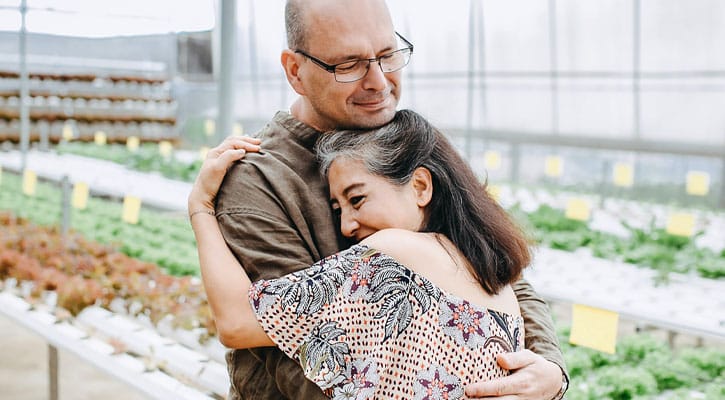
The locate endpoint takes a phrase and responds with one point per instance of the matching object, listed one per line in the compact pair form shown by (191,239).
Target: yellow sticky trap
(623,175)
(67,132)
(79,200)
(681,224)
(165,148)
(238,129)
(698,183)
(594,328)
(494,191)
(131,209)
(132,143)
(554,166)
(492,160)
(209,127)
(100,138)
(30,181)
(203,151)
(578,209)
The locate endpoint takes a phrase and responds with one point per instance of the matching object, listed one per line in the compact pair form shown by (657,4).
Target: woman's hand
(217,162)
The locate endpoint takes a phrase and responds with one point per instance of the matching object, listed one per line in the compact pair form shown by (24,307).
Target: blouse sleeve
(303,313)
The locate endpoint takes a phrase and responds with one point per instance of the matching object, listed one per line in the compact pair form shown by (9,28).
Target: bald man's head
(298,13)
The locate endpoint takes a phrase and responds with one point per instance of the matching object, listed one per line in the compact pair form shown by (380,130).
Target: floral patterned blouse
(364,326)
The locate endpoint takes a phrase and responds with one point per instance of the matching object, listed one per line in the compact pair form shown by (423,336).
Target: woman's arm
(224,279)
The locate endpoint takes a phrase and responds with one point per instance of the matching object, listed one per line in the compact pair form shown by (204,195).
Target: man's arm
(539,372)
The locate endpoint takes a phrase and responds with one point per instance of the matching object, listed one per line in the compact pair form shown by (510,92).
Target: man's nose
(375,78)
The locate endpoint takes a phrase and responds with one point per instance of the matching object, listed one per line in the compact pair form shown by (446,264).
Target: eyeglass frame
(331,67)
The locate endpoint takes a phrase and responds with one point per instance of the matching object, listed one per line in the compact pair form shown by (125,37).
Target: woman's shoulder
(414,250)
(396,242)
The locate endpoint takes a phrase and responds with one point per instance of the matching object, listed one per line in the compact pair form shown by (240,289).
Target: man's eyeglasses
(354,70)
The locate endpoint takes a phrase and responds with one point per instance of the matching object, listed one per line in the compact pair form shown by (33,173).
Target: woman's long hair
(460,207)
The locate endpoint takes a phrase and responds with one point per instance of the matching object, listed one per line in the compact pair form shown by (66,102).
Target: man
(273,207)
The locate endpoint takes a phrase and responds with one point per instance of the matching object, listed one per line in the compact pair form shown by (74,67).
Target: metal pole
(482,65)
(225,85)
(471,76)
(24,95)
(52,372)
(722,185)
(65,204)
(253,55)
(553,65)
(636,124)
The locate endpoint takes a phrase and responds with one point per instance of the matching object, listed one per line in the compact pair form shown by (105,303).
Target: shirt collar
(302,132)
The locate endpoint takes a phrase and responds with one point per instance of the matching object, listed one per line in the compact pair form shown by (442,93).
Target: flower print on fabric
(464,322)
(361,380)
(258,299)
(357,286)
(435,383)
(346,392)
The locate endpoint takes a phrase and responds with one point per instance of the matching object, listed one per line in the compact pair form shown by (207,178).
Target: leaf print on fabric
(509,343)
(310,289)
(322,350)
(435,383)
(462,321)
(395,285)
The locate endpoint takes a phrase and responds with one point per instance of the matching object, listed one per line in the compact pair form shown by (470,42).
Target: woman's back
(362,322)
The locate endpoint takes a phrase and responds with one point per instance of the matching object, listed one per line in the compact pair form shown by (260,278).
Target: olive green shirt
(274,212)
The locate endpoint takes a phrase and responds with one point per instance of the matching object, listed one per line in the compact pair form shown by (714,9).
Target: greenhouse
(597,127)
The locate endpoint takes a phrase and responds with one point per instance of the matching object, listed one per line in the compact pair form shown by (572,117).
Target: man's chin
(367,118)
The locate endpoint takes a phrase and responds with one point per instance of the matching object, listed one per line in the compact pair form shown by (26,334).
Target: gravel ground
(24,371)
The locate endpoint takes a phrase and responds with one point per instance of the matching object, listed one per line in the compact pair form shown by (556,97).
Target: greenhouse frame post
(24,114)
(52,372)
(65,205)
(225,82)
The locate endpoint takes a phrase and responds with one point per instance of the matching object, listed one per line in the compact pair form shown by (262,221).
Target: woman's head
(428,182)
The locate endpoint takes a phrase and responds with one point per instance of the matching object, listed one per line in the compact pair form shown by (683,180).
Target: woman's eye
(355,200)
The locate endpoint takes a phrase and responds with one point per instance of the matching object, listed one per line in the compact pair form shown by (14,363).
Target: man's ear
(422,182)
(290,63)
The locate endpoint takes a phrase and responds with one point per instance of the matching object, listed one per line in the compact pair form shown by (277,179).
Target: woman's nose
(348,226)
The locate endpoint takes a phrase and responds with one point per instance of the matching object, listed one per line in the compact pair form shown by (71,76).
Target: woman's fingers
(229,156)
(247,143)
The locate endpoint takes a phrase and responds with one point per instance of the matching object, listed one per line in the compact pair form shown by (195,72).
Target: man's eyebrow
(350,57)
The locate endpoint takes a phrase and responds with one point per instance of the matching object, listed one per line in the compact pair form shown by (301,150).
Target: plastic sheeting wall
(681,79)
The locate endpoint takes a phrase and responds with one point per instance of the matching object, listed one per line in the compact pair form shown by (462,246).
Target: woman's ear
(290,63)
(422,182)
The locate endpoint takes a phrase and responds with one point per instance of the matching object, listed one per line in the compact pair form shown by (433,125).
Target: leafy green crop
(652,247)
(146,159)
(164,239)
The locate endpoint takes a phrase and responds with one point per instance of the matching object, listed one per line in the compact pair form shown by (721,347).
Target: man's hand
(532,378)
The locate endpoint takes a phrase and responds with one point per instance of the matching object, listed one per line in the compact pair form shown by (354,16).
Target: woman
(418,308)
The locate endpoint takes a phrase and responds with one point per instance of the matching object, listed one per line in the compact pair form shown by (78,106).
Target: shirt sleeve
(300,313)
(539,327)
